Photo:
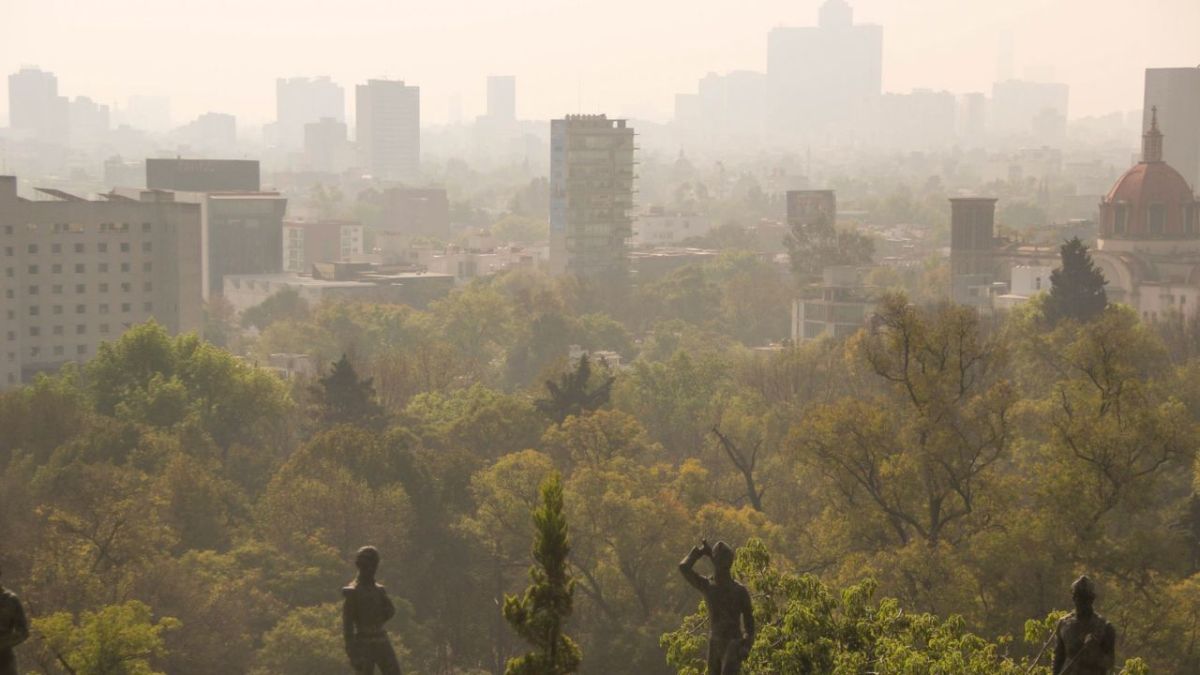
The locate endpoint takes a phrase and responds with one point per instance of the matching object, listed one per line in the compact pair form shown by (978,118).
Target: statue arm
(748,616)
(1060,652)
(389,609)
(685,568)
(1108,647)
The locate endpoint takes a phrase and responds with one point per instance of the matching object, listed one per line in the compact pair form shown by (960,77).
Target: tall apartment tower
(34,106)
(1176,94)
(824,79)
(75,273)
(388,128)
(591,195)
(502,98)
(972,243)
(303,100)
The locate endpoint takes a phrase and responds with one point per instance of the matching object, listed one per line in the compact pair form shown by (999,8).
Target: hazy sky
(624,57)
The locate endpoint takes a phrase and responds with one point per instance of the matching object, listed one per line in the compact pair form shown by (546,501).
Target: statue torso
(370,608)
(1087,658)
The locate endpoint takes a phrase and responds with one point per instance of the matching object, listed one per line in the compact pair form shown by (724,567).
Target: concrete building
(1175,92)
(242,225)
(35,110)
(502,98)
(972,249)
(591,195)
(309,242)
(76,273)
(809,207)
(659,227)
(327,146)
(212,132)
(303,100)
(837,308)
(345,281)
(402,215)
(88,122)
(921,120)
(727,111)
(203,175)
(388,129)
(824,81)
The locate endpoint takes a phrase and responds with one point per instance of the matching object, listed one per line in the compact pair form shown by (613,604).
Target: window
(33,269)
(1158,218)
(126,287)
(32,248)
(125,307)
(103,288)
(146,227)
(104,308)
(80,329)
(79,268)
(56,289)
(104,329)
(146,267)
(102,247)
(1120,216)
(148,286)
(35,351)
(8,251)
(124,267)
(81,350)
(80,309)
(79,248)
(33,310)
(146,247)
(34,331)
(58,350)
(80,288)
(124,247)
(58,330)
(56,248)
(33,290)
(57,309)
(148,306)
(56,268)
(102,268)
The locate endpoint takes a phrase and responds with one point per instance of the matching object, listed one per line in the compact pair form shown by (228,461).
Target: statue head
(722,557)
(367,562)
(1083,593)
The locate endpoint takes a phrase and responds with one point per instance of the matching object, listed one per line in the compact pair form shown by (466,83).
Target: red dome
(1149,182)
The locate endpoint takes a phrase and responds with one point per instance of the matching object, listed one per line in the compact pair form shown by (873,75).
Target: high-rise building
(591,195)
(972,244)
(307,242)
(211,132)
(502,98)
(824,79)
(241,224)
(77,273)
(303,100)
(388,128)
(326,145)
(726,111)
(34,107)
(1030,110)
(88,121)
(1175,92)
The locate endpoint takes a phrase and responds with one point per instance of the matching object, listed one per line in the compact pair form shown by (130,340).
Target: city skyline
(560,67)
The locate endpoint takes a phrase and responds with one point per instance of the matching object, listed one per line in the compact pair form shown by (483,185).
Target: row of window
(102,308)
(80,329)
(101,247)
(80,268)
(57,289)
(77,228)
(1156,219)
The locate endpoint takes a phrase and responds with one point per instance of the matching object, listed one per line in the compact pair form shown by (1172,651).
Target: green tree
(342,397)
(115,640)
(814,246)
(539,616)
(574,393)
(284,305)
(1076,288)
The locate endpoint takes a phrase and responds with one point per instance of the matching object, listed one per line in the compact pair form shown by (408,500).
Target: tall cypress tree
(1076,288)
(539,615)
(341,397)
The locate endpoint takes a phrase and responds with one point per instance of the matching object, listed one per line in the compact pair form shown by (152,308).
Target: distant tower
(388,128)
(808,207)
(502,98)
(835,14)
(591,194)
(972,242)
(34,106)
(1176,94)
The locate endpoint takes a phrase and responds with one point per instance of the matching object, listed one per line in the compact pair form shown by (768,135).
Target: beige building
(365,282)
(75,273)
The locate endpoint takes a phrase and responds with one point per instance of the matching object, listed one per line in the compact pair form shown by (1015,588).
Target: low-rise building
(837,308)
(659,227)
(312,241)
(365,282)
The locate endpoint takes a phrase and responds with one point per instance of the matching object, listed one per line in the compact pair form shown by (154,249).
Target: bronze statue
(1085,643)
(729,608)
(365,610)
(14,629)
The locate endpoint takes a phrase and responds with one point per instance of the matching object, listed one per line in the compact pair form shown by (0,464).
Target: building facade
(35,109)
(502,98)
(309,242)
(388,129)
(591,195)
(303,100)
(77,273)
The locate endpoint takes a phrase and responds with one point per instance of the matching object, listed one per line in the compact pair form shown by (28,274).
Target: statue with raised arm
(730,613)
(1085,643)
(14,629)
(364,611)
